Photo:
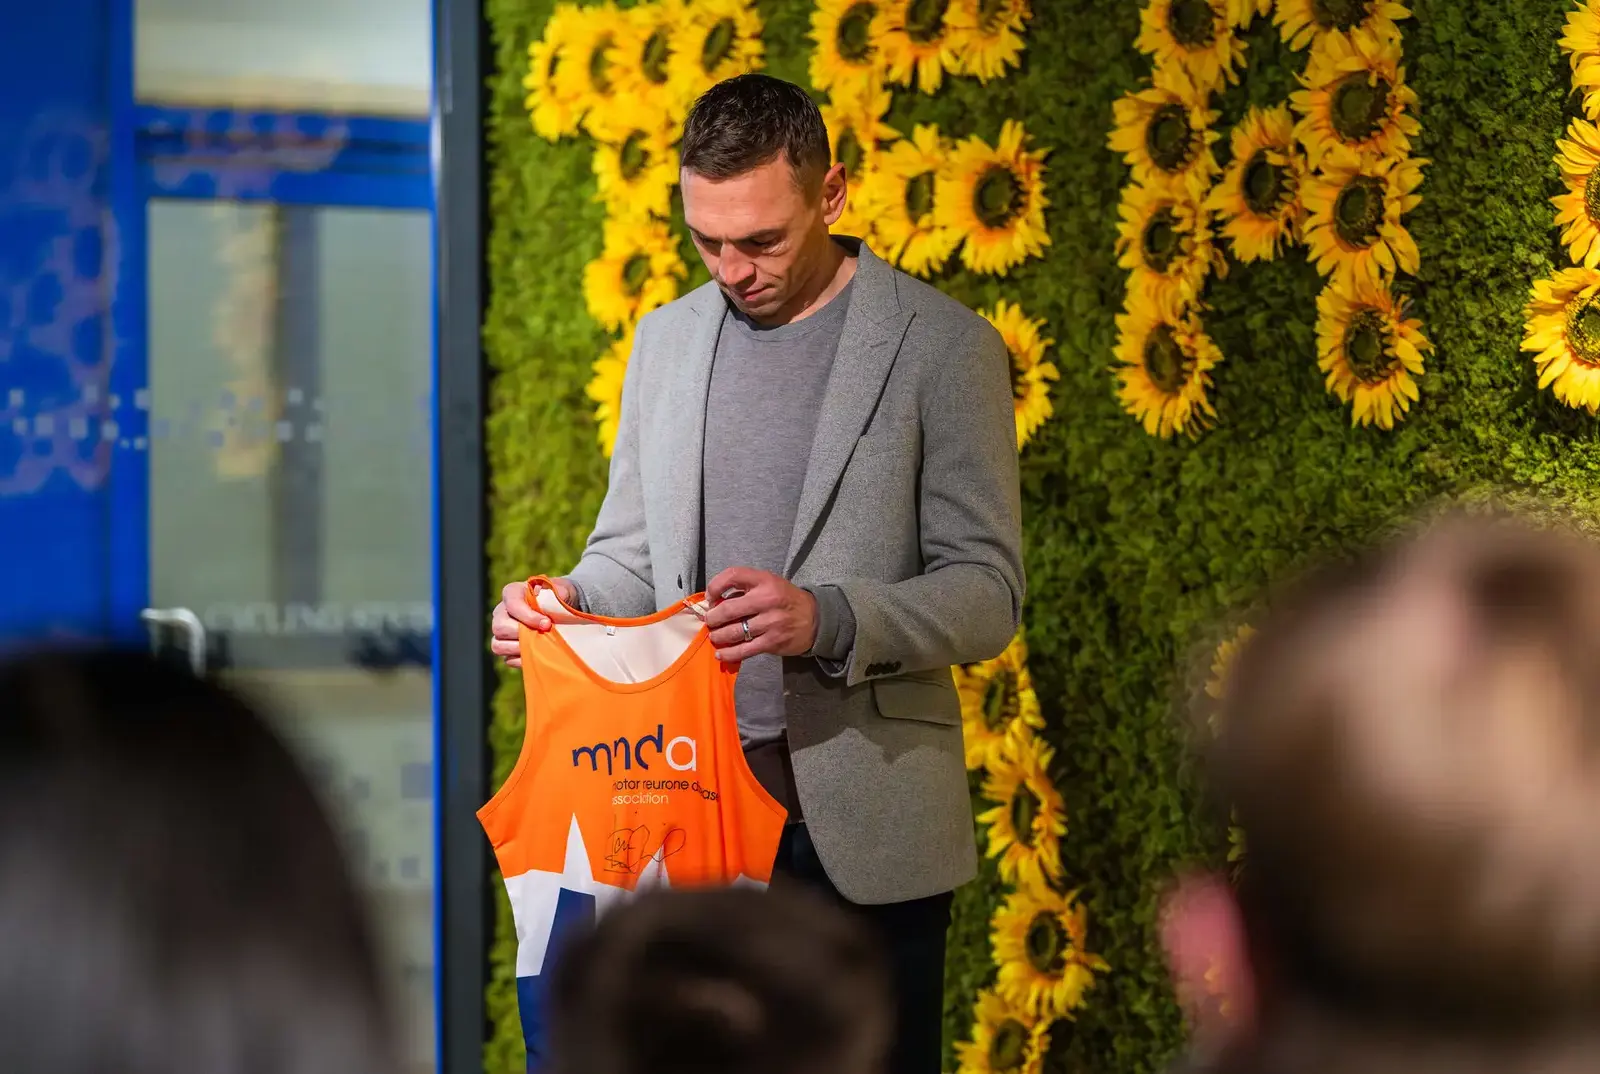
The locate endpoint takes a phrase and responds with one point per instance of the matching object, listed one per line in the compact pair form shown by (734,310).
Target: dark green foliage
(1141,554)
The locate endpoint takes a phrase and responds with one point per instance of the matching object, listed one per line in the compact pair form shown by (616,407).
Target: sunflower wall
(1275,274)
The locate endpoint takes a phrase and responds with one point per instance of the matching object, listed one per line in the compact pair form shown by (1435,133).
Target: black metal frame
(465,674)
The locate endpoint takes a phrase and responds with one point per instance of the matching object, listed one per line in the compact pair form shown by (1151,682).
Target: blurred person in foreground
(1412,745)
(723,981)
(172,896)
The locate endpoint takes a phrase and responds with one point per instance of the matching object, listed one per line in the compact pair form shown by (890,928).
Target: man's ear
(1203,936)
(835,192)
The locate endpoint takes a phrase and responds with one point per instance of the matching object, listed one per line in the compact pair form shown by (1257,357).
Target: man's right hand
(516,610)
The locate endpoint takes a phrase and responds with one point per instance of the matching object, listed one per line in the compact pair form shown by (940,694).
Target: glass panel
(371,56)
(291,510)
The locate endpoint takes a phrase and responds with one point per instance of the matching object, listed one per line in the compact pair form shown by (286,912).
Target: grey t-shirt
(767,386)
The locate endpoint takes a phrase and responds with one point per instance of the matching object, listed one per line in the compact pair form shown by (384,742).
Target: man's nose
(735,270)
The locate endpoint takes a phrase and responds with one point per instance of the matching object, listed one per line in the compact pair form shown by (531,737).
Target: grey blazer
(910,506)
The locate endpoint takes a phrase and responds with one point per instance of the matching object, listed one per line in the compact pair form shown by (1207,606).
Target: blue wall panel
(56,442)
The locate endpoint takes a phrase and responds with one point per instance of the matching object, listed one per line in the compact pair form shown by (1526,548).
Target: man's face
(760,235)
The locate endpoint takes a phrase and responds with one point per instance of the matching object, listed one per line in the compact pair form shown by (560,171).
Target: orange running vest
(631,775)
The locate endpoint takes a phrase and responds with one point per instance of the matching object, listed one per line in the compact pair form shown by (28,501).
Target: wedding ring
(746,624)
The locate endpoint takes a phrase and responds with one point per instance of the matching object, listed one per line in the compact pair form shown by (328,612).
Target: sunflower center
(1365,347)
(919,196)
(1359,104)
(850,152)
(997,197)
(600,65)
(1161,241)
(1192,23)
(717,45)
(1265,184)
(1000,702)
(653,59)
(925,20)
(635,273)
(990,13)
(1046,943)
(1009,1045)
(1164,361)
(1024,808)
(1358,211)
(853,38)
(1169,139)
(1591,195)
(633,157)
(1583,329)
(1340,14)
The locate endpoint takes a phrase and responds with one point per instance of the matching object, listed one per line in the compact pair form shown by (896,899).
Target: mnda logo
(682,754)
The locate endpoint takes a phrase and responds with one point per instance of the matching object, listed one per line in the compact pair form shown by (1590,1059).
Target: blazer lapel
(682,433)
(873,328)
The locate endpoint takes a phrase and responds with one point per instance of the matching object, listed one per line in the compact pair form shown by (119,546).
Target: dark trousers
(913,938)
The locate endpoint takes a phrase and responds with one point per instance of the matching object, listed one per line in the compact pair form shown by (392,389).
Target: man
(1411,748)
(827,447)
(726,981)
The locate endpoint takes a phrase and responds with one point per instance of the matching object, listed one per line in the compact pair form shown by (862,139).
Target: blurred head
(1412,745)
(758,192)
(174,900)
(728,981)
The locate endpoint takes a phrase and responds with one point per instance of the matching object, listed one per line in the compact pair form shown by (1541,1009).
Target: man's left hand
(781,617)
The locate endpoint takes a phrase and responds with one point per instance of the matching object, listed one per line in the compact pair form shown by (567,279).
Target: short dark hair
(750,120)
(722,981)
(1409,733)
(176,900)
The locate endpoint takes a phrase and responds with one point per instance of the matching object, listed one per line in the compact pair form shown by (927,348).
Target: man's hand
(781,617)
(516,609)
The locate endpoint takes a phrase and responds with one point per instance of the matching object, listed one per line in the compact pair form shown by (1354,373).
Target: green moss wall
(1139,551)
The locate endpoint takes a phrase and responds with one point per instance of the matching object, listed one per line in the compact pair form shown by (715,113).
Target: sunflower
(1370,350)
(1578,213)
(1241,13)
(605,389)
(847,35)
(1581,41)
(917,46)
(897,194)
(635,163)
(987,35)
(1302,22)
(856,131)
(1563,335)
(713,40)
(1355,96)
(1165,362)
(1030,373)
(638,270)
(1165,242)
(1353,211)
(1004,1039)
(1040,938)
(1195,36)
(1026,826)
(993,197)
(1222,663)
(1165,131)
(644,50)
(597,67)
(995,695)
(554,107)
(1258,195)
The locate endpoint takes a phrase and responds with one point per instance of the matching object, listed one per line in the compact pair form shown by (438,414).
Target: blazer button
(680,581)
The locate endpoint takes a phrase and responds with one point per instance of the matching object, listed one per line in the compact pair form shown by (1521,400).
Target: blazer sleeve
(967,603)
(614,576)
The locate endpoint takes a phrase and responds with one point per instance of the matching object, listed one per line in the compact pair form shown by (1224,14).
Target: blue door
(270,402)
